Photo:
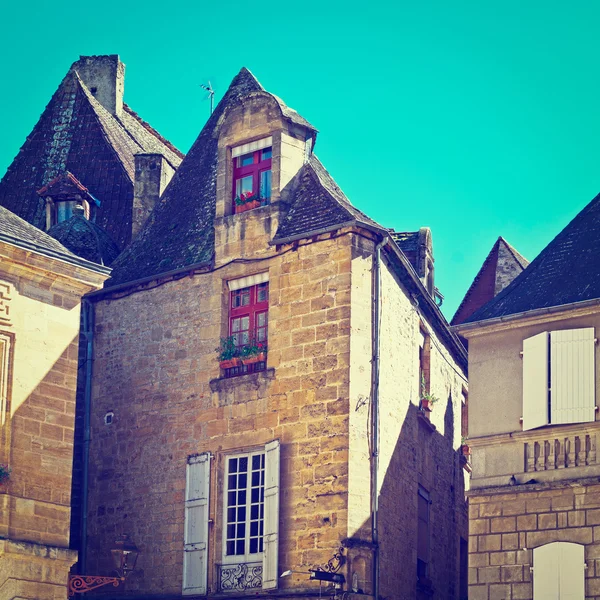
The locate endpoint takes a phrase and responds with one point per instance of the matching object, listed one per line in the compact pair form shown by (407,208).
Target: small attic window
(251,175)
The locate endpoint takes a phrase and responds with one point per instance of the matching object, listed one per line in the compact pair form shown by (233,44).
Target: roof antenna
(211,95)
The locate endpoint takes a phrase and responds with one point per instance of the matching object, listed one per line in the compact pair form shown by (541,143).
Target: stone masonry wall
(413,453)
(506,524)
(156,368)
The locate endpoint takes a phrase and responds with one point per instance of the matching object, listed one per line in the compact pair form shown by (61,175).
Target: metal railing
(239,577)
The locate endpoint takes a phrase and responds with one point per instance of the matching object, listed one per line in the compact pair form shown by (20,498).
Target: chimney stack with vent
(152,175)
(104,76)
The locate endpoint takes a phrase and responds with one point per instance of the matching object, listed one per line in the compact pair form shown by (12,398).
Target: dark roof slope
(566,271)
(318,203)
(85,239)
(501,266)
(408,241)
(180,230)
(76,133)
(14,228)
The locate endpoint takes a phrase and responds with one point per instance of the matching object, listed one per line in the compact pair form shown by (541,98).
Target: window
(558,378)
(558,571)
(423,502)
(252,175)
(248,325)
(249,523)
(244,507)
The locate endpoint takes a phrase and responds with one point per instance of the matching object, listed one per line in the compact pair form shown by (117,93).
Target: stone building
(533,426)
(90,148)
(41,284)
(314,445)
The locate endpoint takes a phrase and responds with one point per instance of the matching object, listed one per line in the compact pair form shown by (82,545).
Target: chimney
(152,175)
(104,76)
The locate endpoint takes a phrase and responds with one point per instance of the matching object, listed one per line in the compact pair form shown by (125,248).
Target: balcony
(240,577)
(560,453)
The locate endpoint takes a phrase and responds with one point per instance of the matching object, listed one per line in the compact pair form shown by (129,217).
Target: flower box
(466,450)
(426,405)
(249,360)
(229,364)
(248,206)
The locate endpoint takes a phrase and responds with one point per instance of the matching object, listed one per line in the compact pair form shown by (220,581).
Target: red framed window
(249,315)
(251,180)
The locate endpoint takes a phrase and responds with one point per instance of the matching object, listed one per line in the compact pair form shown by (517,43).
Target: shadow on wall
(38,446)
(423,511)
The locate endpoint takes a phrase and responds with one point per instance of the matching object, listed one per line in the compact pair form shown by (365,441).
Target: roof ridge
(102,115)
(153,131)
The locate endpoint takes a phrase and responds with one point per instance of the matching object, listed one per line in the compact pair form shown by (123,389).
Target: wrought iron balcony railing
(240,577)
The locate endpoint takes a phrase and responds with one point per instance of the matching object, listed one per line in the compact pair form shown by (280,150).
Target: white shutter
(546,565)
(572,571)
(572,386)
(558,572)
(271,532)
(535,381)
(197,488)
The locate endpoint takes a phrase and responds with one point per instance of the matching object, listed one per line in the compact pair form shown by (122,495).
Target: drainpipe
(88,332)
(375,415)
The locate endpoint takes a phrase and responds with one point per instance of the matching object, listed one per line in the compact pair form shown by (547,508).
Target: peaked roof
(85,239)
(65,185)
(13,228)
(501,266)
(180,232)
(566,271)
(76,133)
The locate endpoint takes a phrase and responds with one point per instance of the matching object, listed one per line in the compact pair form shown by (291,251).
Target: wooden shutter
(197,488)
(271,532)
(535,381)
(558,572)
(572,387)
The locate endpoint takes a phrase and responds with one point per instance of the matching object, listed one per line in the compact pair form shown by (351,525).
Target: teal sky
(475,119)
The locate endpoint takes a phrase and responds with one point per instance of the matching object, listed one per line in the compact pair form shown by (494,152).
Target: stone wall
(39,324)
(156,368)
(506,524)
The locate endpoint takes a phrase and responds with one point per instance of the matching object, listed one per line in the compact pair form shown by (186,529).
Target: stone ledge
(226,384)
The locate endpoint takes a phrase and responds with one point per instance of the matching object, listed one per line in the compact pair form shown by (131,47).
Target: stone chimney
(152,175)
(104,76)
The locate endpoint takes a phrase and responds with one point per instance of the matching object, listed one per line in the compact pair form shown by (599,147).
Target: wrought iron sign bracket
(79,584)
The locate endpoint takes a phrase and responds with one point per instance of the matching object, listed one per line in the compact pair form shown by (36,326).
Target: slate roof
(566,271)
(408,241)
(76,133)
(501,266)
(15,229)
(180,230)
(85,239)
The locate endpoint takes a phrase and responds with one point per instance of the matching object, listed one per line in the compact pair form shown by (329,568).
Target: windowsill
(224,384)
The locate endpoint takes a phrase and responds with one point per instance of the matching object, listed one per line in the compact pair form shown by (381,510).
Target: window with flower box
(245,349)
(252,175)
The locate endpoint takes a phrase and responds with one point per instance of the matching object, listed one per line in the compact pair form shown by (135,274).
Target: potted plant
(254,352)
(427,399)
(228,353)
(247,201)
(4,473)
(464,447)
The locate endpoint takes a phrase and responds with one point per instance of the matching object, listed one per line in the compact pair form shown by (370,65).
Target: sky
(474,119)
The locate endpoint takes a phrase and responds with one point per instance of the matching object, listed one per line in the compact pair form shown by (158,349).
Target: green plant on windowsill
(228,353)
(427,399)
(4,473)
(254,352)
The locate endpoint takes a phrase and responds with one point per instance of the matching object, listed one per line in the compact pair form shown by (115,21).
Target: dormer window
(252,175)
(66,197)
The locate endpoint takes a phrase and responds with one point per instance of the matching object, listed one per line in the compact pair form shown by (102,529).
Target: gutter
(375,344)
(157,277)
(526,314)
(88,332)
(74,260)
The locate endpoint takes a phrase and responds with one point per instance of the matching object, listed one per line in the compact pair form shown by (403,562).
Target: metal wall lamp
(125,555)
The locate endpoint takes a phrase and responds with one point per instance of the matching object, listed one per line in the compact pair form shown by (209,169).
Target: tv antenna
(211,94)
